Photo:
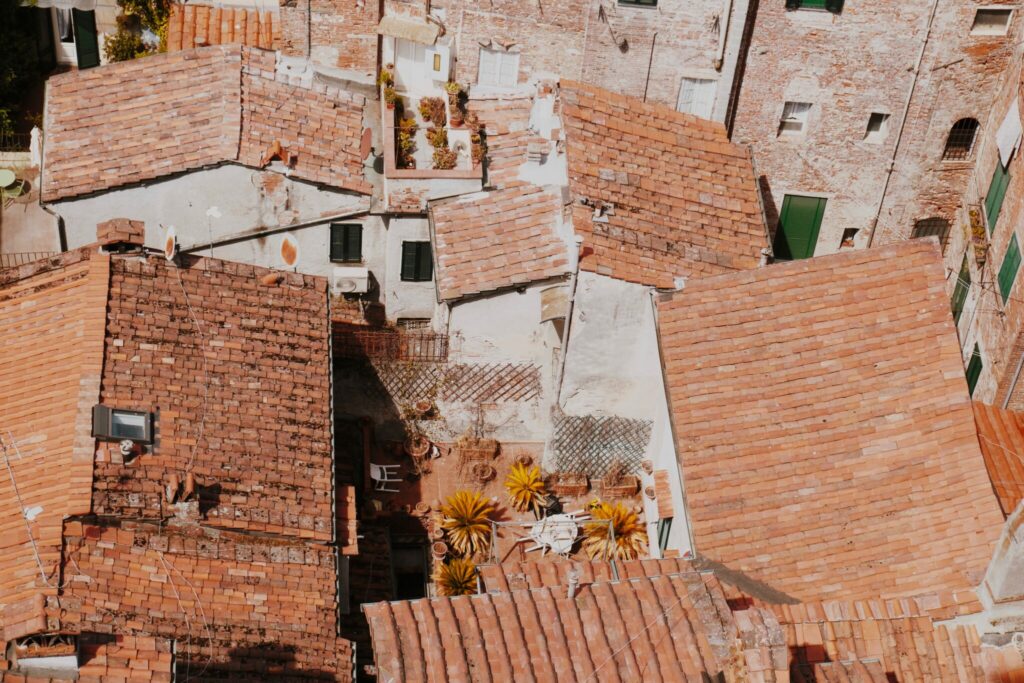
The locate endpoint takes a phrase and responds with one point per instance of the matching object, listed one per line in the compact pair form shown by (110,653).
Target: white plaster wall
(406,299)
(220,201)
(613,367)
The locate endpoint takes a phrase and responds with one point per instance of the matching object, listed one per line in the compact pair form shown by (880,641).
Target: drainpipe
(650,61)
(719,60)
(903,123)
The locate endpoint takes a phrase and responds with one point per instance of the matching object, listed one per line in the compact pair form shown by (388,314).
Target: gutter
(903,124)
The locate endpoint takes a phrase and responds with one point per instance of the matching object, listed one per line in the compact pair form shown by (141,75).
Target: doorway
(799,223)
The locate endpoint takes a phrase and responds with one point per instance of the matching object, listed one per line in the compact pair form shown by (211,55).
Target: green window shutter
(996,193)
(1008,271)
(834,6)
(425,263)
(417,263)
(664,527)
(963,286)
(799,223)
(974,368)
(87,46)
(409,261)
(337,242)
(346,242)
(792,4)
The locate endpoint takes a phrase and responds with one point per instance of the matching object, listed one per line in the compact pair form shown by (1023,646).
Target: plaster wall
(406,299)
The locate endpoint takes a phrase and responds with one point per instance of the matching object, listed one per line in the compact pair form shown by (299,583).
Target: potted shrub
(526,489)
(456,577)
(438,138)
(445,159)
(483,472)
(630,537)
(390,97)
(385,78)
(570,484)
(466,520)
(417,445)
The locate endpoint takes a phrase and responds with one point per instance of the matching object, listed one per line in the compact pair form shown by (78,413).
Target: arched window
(961,139)
(939,227)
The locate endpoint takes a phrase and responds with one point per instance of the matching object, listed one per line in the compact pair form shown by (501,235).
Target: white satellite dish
(170,244)
(290,251)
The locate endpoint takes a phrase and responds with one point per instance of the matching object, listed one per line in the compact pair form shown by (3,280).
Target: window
(417,264)
(640,3)
(111,424)
(961,140)
(413,324)
(696,96)
(794,118)
(347,242)
(995,195)
(929,227)
(878,128)
(834,6)
(664,529)
(65,25)
(991,22)
(974,368)
(1008,271)
(963,286)
(498,68)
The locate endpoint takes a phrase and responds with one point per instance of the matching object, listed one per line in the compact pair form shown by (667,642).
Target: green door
(799,223)
(87,46)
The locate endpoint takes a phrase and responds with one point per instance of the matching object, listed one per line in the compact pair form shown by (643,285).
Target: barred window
(960,142)
(939,227)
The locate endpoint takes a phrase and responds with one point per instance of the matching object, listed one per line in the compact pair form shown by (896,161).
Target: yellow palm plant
(525,488)
(456,577)
(630,539)
(465,518)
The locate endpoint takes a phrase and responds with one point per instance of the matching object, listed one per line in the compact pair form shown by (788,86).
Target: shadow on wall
(771,212)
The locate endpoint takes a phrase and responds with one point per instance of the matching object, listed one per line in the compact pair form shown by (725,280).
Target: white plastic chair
(382,475)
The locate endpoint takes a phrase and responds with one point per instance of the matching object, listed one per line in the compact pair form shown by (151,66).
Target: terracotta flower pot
(439,549)
(417,446)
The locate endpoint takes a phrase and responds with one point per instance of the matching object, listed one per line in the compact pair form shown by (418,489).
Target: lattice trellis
(590,444)
(460,382)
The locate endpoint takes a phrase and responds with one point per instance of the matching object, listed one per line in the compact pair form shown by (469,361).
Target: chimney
(573,581)
(121,234)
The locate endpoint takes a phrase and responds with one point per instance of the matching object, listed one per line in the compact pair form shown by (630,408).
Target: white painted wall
(406,299)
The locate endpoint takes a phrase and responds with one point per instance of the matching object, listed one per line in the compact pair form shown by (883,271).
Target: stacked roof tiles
(150,118)
(193,25)
(1001,436)
(825,429)
(666,194)
(494,240)
(235,369)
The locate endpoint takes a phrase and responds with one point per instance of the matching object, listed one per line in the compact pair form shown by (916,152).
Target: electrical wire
(21,506)
(188,624)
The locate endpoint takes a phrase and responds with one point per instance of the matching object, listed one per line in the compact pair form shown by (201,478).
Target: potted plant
(385,78)
(630,537)
(438,138)
(445,159)
(417,445)
(484,472)
(617,484)
(466,520)
(526,489)
(456,577)
(390,97)
(570,484)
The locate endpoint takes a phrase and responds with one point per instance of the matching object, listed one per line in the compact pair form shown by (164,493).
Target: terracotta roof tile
(1001,435)
(685,199)
(152,117)
(195,25)
(825,429)
(51,332)
(666,627)
(494,240)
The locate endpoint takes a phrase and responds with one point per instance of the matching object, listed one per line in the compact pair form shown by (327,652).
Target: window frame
(958,152)
(879,136)
(502,56)
(345,257)
(961,290)
(103,424)
(805,113)
(664,533)
(831,6)
(415,273)
(1008,10)
(705,98)
(1009,268)
(930,223)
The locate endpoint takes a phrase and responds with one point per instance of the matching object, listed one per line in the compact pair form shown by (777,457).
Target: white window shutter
(488,71)
(509,72)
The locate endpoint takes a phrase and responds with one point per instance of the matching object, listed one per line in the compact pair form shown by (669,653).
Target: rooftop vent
(121,234)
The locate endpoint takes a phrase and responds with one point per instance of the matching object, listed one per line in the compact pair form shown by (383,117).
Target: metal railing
(21,258)
(390,344)
(15,142)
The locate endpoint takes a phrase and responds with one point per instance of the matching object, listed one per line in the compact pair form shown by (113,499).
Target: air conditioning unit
(350,280)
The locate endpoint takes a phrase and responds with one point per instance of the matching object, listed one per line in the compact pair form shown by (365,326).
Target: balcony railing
(21,258)
(15,142)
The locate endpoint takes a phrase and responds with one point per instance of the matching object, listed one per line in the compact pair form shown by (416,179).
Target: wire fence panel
(590,445)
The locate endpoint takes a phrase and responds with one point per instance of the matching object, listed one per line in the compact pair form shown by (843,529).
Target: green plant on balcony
(432,109)
(390,97)
(385,78)
(445,159)
(438,137)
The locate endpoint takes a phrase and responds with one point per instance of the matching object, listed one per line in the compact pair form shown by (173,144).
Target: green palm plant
(526,488)
(466,521)
(457,576)
(630,537)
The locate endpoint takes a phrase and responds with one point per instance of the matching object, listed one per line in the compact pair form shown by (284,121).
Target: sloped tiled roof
(149,118)
(685,199)
(493,240)
(511,575)
(506,121)
(824,426)
(195,25)
(1001,436)
(51,333)
(674,627)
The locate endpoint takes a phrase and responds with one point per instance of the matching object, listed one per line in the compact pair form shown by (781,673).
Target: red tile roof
(149,118)
(195,25)
(674,627)
(824,426)
(51,332)
(494,240)
(1001,435)
(506,576)
(506,122)
(685,199)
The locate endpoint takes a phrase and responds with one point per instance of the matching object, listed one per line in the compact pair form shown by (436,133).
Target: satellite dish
(290,251)
(170,244)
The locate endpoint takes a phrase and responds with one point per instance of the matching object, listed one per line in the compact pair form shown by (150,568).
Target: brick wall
(848,66)
(253,419)
(335,33)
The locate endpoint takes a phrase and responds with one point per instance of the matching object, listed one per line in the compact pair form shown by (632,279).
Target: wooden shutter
(974,368)
(337,242)
(353,242)
(1008,271)
(834,6)
(963,286)
(87,45)
(508,70)
(799,222)
(424,263)
(488,70)
(409,261)
(996,194)
(792,4)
